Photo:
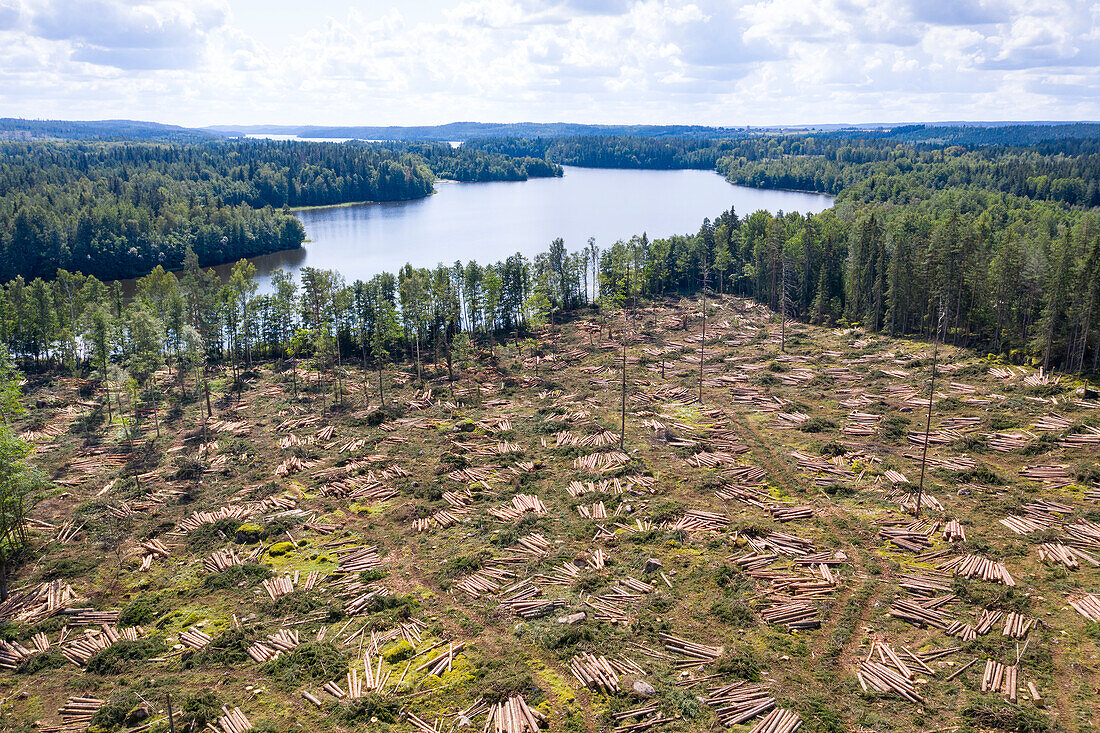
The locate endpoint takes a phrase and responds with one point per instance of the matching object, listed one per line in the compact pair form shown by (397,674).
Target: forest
(119,209)
(996,248)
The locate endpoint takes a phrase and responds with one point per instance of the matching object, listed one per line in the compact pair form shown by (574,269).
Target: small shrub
(117,658)
(143,610)
(199,710)
(734,613)
(48,660)
(227,648)
(234,576)
(1002,716)
(816,425)
(743,665)
(894,427)
(371,705)
(310,662)
(399,652)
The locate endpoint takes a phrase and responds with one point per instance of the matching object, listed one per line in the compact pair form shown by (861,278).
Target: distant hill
(467,130)
(12,128)
(981,134)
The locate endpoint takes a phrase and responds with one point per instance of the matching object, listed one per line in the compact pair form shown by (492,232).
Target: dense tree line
(472,164)
(972,240)
(615,151)
(121,209)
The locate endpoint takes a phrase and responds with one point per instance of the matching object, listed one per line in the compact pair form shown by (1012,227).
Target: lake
(488,222)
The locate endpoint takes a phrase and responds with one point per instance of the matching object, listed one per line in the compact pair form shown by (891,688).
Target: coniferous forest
(119,209)
(999,244)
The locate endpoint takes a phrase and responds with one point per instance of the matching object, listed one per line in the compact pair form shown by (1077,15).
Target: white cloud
(702,61)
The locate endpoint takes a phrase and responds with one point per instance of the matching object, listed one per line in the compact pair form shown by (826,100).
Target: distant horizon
(259,126)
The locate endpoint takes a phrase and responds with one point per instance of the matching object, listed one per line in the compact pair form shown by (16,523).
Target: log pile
(283,640)
(905,538)
(32,606)
(976,566)
(1086,604)
(1017,625)
(1055,476)
(697,520)
(77,712)
(1006,442)
(783,513)
(779,720)
(781,542)
(889,673)
(238,512)
(953,531)
(1054,553)
(908,501)
(194,638)
(80,650)
(695,654)
(594,672)
(232,721)
(919,613)
(283,585)
(796,616)
(514,716)
(739,702)
(521,503)
(357,559)
(601,462)
(221,560)
(1000,678)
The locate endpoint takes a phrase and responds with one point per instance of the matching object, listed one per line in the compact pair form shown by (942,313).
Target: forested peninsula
(119,209)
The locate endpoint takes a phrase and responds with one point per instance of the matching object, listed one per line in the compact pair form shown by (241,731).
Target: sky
(710,62)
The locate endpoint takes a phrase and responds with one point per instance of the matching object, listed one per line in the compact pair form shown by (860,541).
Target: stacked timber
(918,613)
(976,566)
(905,538)
(232,721)
(356,560)
(697,520)
(1086,604)
(221,560)
(781,542)
(32,606)
(953,531)
(77,712)
(594,672)
(739,702)
(794,616)
(1054,553)
(1000,678)
(514,716)
(889,673)
(80,650)
(1017,625)
(13,654)
(194,638)
(779,720)
(1006,442)
(783,513)
(696,654)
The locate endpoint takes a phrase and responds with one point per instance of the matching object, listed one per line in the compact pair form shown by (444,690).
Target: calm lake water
(488,222)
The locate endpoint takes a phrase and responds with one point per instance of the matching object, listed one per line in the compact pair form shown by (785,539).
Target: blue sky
(725,62)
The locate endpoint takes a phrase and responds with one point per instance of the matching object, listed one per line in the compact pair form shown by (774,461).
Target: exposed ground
(442,483)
